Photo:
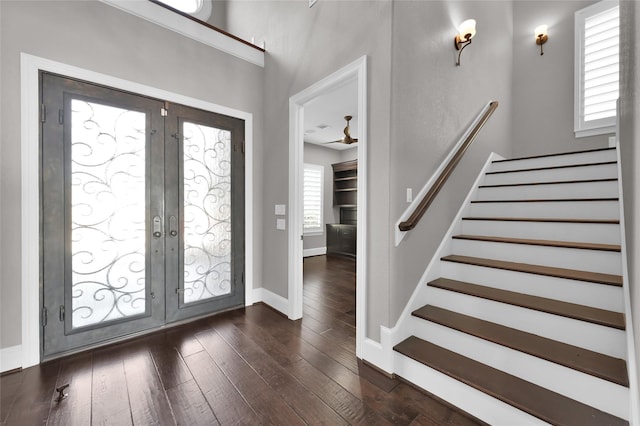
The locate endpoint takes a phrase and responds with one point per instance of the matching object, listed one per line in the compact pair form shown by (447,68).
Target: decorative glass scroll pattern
(207,212)
(108,205)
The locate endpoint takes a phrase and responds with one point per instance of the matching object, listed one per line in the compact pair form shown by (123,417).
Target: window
(312,193)
(597,68)
(200,9)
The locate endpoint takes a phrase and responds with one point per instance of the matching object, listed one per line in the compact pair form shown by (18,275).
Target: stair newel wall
(418,298)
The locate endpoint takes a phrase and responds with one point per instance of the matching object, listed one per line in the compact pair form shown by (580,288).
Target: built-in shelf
(345,184)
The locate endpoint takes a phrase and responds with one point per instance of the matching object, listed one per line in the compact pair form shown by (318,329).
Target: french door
(142,213)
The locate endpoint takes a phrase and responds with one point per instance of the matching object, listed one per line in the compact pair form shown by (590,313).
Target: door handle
(157,227)
(173,226)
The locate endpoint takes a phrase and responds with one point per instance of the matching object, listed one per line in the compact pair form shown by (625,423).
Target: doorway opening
(300,105)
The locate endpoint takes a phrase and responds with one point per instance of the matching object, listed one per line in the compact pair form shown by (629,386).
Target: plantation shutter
(599,38)
(313,175)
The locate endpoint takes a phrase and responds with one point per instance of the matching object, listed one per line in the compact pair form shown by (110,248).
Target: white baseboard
(380,354)
(10,358)
(277,302)
(318,251)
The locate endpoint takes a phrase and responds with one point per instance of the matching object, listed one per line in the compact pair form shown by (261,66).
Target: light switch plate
(281,224)
(281,209)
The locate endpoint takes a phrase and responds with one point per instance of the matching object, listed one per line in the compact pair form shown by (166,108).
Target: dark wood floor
(249,366)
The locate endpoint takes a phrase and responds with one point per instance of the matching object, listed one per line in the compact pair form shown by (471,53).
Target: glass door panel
(207,212)
(108,210)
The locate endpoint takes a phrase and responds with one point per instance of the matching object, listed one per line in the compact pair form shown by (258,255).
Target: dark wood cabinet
(345,184)
(341,239)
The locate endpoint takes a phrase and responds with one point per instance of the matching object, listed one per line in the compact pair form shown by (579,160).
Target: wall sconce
(466,31)
(541,36)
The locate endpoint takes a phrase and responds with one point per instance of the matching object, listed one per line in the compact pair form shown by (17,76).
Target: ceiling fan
(347,139)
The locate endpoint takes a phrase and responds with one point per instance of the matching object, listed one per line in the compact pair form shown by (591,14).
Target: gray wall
(305,45)
(325,157)
(543,85)
(100,38)
(630,150)
(433,101)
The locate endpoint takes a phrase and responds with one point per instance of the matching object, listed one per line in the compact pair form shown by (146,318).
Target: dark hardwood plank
(307,405)
(189,405)
(571,274)
(567,166)
(10,383)
(170,365)
(586,361)
(110,398)
(148,399)
(253,388)
(542,304)
(535,400)
(561,182)
(545,243)
(506,160)
(32,402)
(227,403)
(75,409)
(546,220)
(547,200)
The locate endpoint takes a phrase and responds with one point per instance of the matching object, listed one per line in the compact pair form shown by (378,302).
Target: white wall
(433,102)
(543,86)
(98,37)
(305,45)
(324,157)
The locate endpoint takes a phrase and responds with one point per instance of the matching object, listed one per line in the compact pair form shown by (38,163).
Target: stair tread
(542,219)
(526,396)
(559,182)
(559,154)
(547,243)
(547,200)
(580,359)
(564,166)
(542,304)
(572,274)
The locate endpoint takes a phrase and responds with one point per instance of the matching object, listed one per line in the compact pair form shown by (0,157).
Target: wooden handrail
(413,220)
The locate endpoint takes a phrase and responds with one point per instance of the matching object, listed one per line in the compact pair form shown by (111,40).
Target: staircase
(522,319)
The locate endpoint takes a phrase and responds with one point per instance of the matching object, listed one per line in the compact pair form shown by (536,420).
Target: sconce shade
(541,31)
(467,29)
(541,36)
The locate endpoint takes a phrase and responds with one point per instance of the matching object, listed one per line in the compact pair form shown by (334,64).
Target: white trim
(380,354)
(357,70)
(267,297)
(632,361)
(188,28)
(399,235)
(318,251)
(607,130)
(10,358)
(30,205)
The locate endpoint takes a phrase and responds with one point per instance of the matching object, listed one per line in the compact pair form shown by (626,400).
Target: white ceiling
(329,110)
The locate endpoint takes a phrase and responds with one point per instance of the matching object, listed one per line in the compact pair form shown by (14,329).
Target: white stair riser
(578,232)
(556,160)
(604,171)
(606,340)
(599,296)
(590,390)
(474,402)
(605,189)
(605,262)
(549,209)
